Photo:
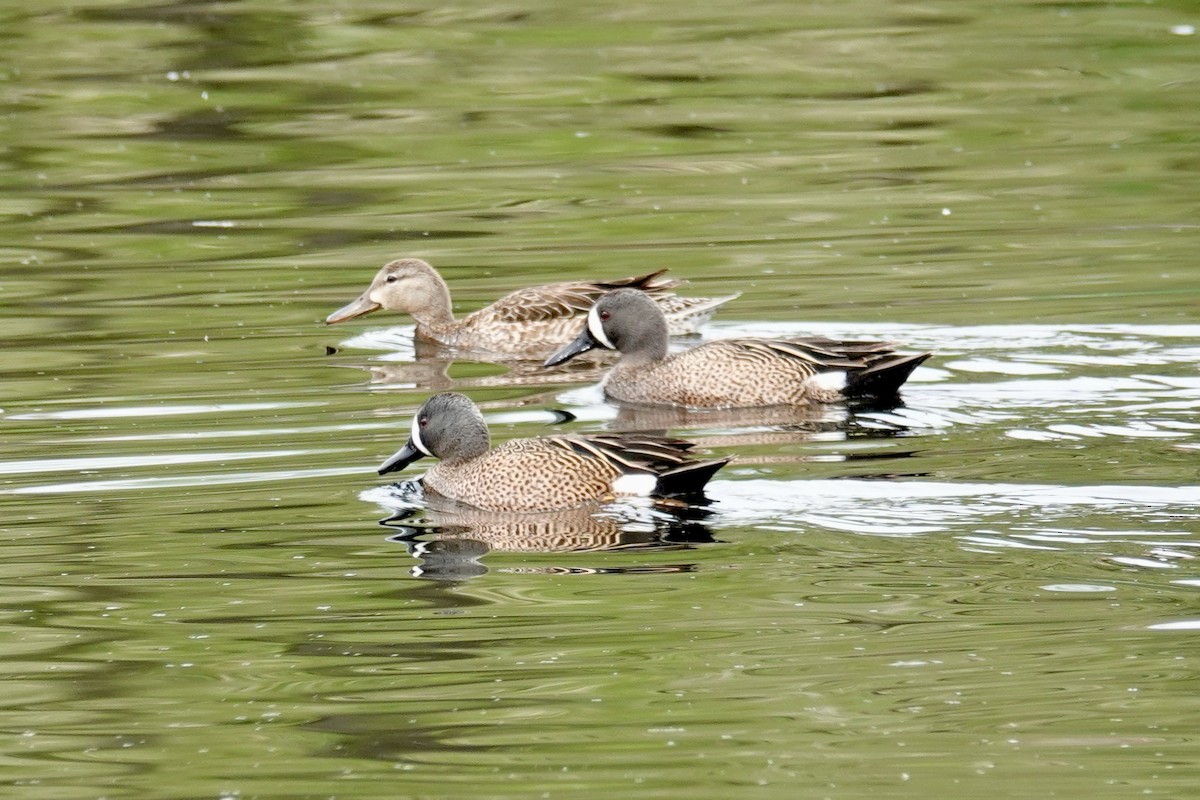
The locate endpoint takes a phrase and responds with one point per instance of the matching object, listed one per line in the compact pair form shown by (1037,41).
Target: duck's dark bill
(355,308)
(400,459)
(583,342)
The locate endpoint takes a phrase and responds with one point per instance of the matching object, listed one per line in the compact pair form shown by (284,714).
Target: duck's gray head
(625,320)
(447,426)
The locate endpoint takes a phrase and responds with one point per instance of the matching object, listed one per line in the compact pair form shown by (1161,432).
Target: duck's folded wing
(676,472)
(820,352)
(569,299)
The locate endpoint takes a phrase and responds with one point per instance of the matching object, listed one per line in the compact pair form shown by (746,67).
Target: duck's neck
(434,311)
(646,344)
(466,442)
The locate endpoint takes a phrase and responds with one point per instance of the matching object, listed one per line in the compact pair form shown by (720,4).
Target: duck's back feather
(568,299)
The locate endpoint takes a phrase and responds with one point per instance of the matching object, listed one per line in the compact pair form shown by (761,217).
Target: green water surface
(989,591)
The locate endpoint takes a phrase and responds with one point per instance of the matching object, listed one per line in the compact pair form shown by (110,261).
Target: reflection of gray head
(450,559)
(450,427)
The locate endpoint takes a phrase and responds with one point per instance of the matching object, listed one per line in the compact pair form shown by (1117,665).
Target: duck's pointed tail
(883,378)
(687,479)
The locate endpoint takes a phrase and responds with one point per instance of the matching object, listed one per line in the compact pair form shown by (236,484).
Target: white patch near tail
(834,381)
(416,436)
(597,329)
(638,484)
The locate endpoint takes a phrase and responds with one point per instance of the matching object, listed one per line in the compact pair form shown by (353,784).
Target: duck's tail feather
(688,479)
(883,378)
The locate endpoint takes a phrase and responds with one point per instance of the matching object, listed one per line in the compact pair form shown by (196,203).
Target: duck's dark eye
(604,315)
(423,421)
(392,278)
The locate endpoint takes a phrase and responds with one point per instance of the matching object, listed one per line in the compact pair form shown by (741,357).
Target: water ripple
(159,410)
(120,462)
(182,481)
(908,508)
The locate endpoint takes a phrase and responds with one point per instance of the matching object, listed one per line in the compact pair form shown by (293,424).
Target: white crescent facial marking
(597,328)
(416,436)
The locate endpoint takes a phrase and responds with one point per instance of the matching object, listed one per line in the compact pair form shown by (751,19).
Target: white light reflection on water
(910,508)
(1068,369)
(979,516)
(183,481)
(397,340)
(1056,384)
(1002,367)
(1078,588)
(232,434)
(165,410)
(1180,625)
(122,462)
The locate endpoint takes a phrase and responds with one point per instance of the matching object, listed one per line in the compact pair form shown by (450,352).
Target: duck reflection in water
(734,427)
(431,370)
(437,367)
(767,435)
(449,542)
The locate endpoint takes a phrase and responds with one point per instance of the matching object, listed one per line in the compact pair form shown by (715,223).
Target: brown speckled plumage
(545,473)
(730,373)
(531,321)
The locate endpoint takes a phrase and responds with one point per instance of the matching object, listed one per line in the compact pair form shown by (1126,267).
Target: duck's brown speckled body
(730,373)
(545,473)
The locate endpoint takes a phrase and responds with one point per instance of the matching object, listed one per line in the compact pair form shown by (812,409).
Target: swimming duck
(730,373)
(530,321)
(544,473)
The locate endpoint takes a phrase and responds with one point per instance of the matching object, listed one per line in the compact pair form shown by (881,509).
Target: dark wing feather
(822,353)
(652,284)
(678,475)
(564,300)
(632,452)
